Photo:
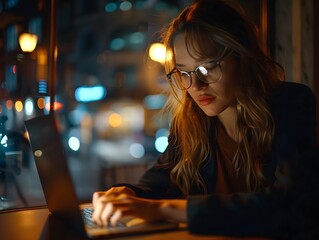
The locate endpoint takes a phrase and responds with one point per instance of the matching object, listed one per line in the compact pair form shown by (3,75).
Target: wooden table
(38,223)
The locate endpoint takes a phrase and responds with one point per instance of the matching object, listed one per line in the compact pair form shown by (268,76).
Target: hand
(118,202)
(113,192)
(112,205)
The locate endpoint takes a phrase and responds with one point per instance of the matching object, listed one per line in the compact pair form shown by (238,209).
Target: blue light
(137,150)
(110,7)
(42,86)
(155,101)
(90,94)
(74,143)
(137,38)
(162,132)
(29,106)
(4,140)
(125,6)
(12,3)
(161,144)
(117,44)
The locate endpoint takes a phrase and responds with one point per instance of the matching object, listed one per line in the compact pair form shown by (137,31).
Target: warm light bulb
(28,41)
(158,53)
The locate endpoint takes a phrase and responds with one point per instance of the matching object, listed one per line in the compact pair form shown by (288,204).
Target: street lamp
(28,41)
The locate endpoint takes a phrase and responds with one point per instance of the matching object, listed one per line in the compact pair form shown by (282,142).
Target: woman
(234,127)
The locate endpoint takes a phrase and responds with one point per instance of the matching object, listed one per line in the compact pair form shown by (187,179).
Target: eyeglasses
(207,73)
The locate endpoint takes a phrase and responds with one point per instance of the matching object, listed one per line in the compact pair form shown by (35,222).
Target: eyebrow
(183,65)
(179,65)
(198,63)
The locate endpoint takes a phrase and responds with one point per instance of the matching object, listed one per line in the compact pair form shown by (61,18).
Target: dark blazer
(294,109)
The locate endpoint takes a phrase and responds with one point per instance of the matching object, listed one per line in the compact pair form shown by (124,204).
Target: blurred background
(98,64)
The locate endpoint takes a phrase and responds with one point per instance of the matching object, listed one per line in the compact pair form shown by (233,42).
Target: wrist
(173,212)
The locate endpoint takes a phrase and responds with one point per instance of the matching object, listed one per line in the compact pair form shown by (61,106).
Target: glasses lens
(209,72)
(185,79)
(179,79)
(202,73)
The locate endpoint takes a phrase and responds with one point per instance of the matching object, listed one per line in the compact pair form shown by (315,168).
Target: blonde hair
(209,25)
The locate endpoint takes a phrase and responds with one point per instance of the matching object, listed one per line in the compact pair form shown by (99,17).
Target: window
(100,58)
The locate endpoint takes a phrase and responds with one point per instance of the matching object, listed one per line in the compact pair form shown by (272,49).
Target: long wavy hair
(209,25)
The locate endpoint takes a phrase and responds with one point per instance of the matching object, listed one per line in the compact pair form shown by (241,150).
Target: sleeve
(155,182)
(268,212)
(235,215)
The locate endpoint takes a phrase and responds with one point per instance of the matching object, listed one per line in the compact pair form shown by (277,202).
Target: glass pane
(107,98)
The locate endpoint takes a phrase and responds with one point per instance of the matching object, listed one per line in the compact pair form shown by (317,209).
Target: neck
(228,119)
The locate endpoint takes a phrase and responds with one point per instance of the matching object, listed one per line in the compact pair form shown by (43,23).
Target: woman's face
(213,98)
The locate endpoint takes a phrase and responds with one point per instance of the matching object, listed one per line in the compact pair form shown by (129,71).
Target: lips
(205,99)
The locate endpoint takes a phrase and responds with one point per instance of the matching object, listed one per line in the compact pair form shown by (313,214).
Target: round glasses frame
(209,72)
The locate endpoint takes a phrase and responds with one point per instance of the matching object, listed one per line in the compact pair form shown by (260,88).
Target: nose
(197,83)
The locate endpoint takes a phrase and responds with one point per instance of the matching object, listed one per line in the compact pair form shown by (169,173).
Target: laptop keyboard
(87,216)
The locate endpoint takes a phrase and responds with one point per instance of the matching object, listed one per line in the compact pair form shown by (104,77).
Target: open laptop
(58,188)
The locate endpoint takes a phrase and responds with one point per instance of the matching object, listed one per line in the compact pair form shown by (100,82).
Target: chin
(210,113)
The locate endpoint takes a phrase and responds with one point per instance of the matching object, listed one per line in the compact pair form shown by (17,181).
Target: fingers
(112,205)
(118,214)
(101,214)
(109,213)
(96,196)
(109,208)
(106,215)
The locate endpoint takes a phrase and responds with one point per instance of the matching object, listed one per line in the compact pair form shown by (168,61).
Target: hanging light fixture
(28,41)
(158,53)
